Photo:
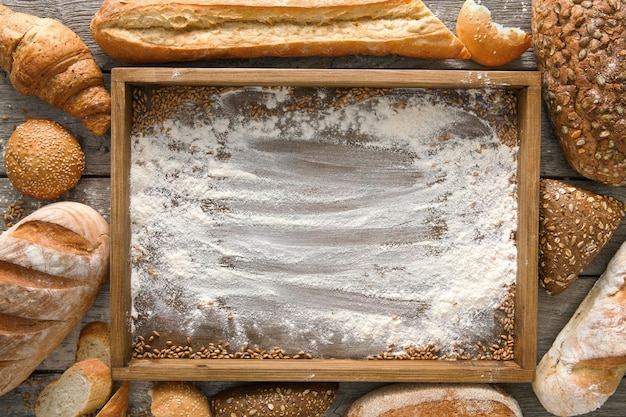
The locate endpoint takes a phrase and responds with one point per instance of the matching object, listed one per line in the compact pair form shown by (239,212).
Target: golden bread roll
(43,159)
(178,398)
(489,43)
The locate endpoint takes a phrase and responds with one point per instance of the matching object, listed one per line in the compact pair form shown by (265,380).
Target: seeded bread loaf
(574,226)
(189,30)
(435,400)
(82,389)
(579,46)
(587,360)
(275,400)
(52,265)
(178,398)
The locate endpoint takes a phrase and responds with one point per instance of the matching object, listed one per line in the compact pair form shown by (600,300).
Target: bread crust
(46,59)
(178,398)
(579,49)
(574,226)
(29,333)
(435,400)
(587,360)
(210,29)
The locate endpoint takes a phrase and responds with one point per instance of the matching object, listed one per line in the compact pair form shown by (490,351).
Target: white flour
(283,232)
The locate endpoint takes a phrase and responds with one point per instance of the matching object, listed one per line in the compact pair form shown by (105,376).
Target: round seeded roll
(43,159)
(178,398)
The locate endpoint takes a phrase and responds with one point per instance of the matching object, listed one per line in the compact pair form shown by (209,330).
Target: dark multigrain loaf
(580,46)
(275,400)
(575,224)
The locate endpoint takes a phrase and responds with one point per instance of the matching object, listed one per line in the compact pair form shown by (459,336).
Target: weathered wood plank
(94,189)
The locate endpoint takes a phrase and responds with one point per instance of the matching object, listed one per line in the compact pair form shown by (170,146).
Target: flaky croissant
(45,58)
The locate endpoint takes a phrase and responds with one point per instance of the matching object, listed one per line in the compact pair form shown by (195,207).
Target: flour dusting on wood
(334,221)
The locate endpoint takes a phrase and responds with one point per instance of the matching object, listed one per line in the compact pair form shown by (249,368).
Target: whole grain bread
(53,263)
(579,47)
(296,399)
(190,30)
(587,360)
(435,400)
(574,226)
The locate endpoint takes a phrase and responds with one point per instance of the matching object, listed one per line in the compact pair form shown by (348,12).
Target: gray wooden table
(93,189)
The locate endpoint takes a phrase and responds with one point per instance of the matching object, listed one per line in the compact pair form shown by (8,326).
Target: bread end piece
(489,43)
(117,406)
(82,389)
(94,341)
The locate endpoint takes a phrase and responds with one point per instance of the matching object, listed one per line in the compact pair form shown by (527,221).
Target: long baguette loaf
(435,400)
(188,30)
(579,48)
(587,360)
(52,265)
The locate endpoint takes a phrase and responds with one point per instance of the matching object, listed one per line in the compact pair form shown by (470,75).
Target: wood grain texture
(94,190)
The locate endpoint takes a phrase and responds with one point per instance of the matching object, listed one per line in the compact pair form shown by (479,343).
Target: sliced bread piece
(574,226)
(94,341)
(82,389)
(117,406)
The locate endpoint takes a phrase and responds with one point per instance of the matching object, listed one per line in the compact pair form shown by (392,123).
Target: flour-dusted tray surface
(336,219)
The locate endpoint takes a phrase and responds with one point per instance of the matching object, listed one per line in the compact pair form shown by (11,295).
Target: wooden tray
(526,85)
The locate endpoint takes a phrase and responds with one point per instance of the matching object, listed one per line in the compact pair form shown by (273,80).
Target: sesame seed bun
(178,398)
(43,159)
(490,43)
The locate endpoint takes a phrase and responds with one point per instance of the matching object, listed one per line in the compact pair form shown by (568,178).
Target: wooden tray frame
(521,369)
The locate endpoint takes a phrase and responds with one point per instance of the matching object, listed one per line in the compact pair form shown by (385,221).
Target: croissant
(46,59)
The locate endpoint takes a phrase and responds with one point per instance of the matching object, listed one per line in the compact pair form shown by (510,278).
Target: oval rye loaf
(580,48)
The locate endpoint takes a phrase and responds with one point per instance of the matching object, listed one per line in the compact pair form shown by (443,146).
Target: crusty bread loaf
(117,406)
(82,389)
(46,59)
(189,30)
(52,265)
(574,226)
(94,341)
(587,360)
(435,400)
(579,48)
(43,159)
(178,398)
(269,399)
(489,43)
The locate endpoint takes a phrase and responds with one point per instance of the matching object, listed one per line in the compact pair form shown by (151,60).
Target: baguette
(46,59)
(579,49)
(587,360)
(117,406)
(275,399)
(52,266)
(82,389)
(94,341)
(153,31)
(435,400)
(574,226)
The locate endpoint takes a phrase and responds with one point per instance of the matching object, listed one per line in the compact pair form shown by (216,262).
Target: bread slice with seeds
(82,389)
(575,225)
